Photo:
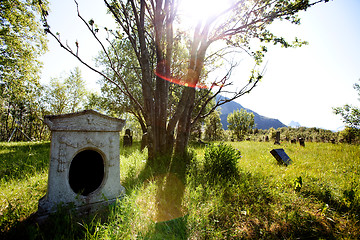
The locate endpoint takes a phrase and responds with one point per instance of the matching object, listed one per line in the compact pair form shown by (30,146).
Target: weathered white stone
(84,161)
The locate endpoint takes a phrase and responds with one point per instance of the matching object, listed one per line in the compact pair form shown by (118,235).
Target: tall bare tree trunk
(163,20)
(146,81)
(184,124)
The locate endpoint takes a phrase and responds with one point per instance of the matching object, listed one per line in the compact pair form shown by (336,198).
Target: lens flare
(181,82)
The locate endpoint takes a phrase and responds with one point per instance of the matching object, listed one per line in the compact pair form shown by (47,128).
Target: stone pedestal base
(46,208)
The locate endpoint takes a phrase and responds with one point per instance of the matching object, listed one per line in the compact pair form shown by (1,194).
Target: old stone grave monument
(281,156)
(84,169)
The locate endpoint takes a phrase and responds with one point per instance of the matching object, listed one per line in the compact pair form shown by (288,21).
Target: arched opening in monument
(86,172)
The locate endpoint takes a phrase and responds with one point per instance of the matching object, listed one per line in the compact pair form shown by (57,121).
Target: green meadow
(316,197)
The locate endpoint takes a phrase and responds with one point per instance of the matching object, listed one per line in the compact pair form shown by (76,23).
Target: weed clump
(220,163)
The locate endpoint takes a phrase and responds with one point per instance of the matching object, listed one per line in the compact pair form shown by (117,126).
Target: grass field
(316,197)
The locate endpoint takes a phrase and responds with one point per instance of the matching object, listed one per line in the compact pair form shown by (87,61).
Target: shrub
(350,135)
(220,162)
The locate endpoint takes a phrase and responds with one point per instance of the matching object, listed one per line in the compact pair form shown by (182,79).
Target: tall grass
(264,200)
(327,170)
(23,173)
(327,201)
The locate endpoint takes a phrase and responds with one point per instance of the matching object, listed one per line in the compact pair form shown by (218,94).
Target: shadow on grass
(67,225)
(346,204)
(63,224)
(167,176)
(20,160)
(244,207)
(172,229)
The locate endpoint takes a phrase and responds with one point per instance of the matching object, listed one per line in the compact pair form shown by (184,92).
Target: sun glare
(193,11)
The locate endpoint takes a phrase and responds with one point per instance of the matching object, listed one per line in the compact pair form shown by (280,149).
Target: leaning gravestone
(84,166)
(281,156)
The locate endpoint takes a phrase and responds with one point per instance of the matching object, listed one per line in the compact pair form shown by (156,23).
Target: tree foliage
(289,133)
(153,36)
(240,123)
(22,41)
(350,135)
(350,114)
(67,95)
(213,127)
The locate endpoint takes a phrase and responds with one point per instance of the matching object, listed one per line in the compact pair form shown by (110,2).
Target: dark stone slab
(302,142)
(281,156)
(127,138)
(277,138)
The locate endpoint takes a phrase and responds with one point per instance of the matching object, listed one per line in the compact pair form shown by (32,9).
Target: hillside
(261,122)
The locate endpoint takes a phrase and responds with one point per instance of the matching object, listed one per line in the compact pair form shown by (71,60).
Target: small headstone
(281,156)
(127,138)
(277,138)
(302,142)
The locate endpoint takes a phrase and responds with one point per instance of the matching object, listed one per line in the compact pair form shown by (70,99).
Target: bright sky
(301,84)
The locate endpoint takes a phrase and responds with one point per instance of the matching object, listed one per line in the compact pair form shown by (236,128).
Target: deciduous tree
(22,41)
(66,95)
(350,114)
(213,127)
(240,123)
(152,30)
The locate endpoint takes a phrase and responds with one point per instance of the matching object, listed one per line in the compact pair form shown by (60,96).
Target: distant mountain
(261,122)
(294,124)
(339,129)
